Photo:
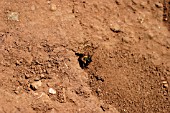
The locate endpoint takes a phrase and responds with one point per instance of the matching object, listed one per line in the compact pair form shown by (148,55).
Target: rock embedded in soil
(35,85)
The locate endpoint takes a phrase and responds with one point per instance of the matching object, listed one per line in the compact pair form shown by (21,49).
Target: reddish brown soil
(128,40)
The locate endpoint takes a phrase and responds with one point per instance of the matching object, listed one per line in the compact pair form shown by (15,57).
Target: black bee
(84,59)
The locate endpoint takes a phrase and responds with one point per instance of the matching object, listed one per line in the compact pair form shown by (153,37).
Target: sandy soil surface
(128,42)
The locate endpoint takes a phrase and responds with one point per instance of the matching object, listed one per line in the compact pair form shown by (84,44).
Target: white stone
(52,91)
(13,16)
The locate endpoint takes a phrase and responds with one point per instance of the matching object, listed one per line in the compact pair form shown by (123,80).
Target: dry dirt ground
(128,41)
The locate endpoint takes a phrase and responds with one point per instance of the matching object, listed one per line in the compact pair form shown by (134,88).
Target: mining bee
(84,59)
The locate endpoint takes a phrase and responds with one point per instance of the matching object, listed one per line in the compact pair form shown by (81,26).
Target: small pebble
(159,5)
(118,2)
(53,7)
(98,90)
(17,90)
(164,82)
(27,76)
(42,76)
(165,85)
(37,79)
(49,65)
(13,16)
(53,111)
(162,78)
(52,91)
(126,39)
(165,19)
(48,1)
(35,85)
(33,7)
(143,4)
(18,62)
(115,28)
(44,96)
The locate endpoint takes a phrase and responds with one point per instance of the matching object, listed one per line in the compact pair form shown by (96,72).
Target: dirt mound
(129,81)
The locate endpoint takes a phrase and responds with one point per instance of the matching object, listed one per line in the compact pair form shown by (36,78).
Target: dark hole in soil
(84,60)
